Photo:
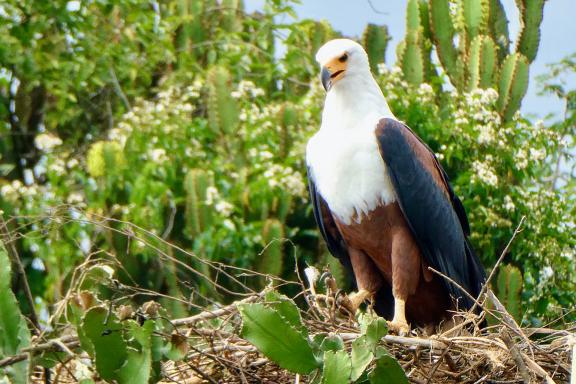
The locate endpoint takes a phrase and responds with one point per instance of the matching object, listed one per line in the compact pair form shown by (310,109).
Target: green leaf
(361,357)
(337,368)
(387,370)
(286,308)
(332,342)
(276,338)
(110,350)
(139,360)
(374,327)
(14,334)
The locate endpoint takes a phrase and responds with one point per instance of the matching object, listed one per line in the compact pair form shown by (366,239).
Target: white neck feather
(352,100)
(343,155)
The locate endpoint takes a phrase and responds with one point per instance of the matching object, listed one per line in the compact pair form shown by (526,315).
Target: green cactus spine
(375,40)
(198,207)
(509,287)
(482,62)
(512,85)
(531,12)
(410,52)
(476,14)
(443,32)
(498,28)
(271,259)
(222,108)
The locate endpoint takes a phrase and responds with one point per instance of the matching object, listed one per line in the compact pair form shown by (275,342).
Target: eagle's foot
(352,302)
(399,325)
(400,328)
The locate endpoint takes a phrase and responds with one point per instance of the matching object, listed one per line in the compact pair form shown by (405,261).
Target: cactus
(232,13)
(375,40)
(222,108)
(105,157)
(288,117)
(482,62)
(498,28)
(443,37)
(481,29)
(198,207)
(512,85)
(409,51)
(476,13)
(531,12)
(509,288)
(271,259)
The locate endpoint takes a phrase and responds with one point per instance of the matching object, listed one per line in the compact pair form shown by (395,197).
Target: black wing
(334,241)
(433,212)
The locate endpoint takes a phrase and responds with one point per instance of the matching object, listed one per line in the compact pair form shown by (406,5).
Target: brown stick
(493,271)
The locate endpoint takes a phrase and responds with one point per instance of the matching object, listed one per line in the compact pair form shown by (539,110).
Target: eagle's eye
(343,58)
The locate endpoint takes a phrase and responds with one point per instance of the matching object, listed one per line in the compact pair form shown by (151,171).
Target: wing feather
(433,212)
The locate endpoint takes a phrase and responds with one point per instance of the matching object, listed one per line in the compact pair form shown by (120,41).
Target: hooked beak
(325,76)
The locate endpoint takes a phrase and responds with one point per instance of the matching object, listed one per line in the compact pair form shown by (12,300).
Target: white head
(341,59)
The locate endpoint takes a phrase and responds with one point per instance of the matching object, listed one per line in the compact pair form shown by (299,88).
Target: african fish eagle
(383,203)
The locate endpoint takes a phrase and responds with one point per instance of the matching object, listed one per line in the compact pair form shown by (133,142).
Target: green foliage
(337,367)
(509,289)
(14,333)
(275,328)
(276,337)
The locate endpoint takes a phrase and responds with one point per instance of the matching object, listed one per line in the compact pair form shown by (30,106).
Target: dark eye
(343,58)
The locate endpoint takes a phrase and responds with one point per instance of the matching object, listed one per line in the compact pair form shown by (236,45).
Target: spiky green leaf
(104,333)
(276,338)
(361,357)
(387,370)
(138,365)
(337,368)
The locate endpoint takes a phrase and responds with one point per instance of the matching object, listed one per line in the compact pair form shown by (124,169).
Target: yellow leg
(352,302)
(399,325)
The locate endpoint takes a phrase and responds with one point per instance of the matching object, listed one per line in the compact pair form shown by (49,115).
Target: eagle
(384,204)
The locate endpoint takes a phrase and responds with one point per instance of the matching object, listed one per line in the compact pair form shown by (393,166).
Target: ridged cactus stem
(509,287)
(271,260)
(375,40)
(198,207)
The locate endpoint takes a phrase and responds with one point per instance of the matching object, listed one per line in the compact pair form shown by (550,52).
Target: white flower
(547,272)
(484,173)
(158,155)
(211,195)
(537,154)
(46,141)
(73,6)
(75,198)
(72,163)
(224,208)
(509,204)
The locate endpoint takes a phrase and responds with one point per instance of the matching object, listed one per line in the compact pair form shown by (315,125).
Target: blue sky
(558,34)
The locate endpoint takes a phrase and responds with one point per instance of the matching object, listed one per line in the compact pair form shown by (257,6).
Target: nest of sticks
(502,353)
